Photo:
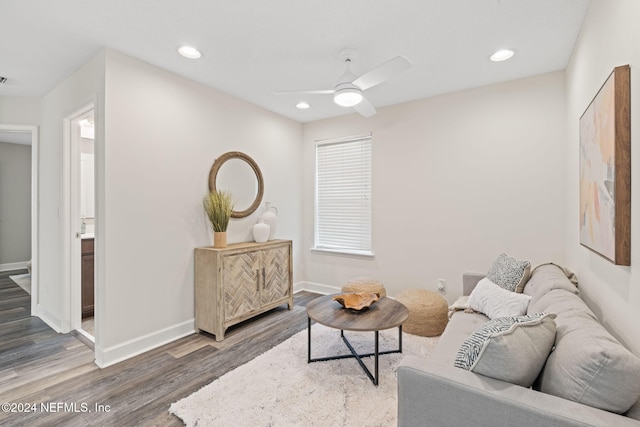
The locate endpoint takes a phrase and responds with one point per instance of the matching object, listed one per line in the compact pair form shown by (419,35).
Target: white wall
(157,136)
(457,179)
(15,203)
(609,37)
(20,110)
(84,86)
(162,134)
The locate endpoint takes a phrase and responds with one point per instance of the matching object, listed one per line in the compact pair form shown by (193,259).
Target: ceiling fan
(349,87)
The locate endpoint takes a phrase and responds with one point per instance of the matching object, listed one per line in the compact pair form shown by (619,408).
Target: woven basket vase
(364,284)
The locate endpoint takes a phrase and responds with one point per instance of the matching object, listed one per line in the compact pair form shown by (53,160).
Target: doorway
(26,135)
(81,205)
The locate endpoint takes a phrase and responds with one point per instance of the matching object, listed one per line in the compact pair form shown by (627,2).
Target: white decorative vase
(270,217)
(261,231)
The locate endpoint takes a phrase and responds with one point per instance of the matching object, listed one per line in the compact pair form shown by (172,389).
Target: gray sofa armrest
(434,394)
(469,281)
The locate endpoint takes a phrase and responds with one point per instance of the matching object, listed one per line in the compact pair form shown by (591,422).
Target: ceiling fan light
(347,97)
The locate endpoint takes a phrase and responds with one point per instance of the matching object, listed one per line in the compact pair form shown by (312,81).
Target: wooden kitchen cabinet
(240,281)
(87,277)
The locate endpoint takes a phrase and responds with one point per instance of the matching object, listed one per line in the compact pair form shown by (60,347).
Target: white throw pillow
(494,301)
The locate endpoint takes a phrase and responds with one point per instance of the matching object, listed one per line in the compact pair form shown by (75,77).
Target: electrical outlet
(442,284)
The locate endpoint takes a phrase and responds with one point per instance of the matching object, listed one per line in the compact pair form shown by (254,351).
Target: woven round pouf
(427,312)
(365,284)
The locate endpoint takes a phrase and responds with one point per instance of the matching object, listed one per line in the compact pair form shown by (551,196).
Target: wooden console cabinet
(87,277)
(238,282)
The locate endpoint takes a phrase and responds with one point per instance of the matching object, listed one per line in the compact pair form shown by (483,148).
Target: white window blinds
(343,195)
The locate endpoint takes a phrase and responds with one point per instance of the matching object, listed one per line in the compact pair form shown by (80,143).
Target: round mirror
(239,174)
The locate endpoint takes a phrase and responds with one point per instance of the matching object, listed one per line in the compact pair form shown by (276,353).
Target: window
(343,196)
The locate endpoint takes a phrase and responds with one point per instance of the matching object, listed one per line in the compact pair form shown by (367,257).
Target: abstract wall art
(605,170)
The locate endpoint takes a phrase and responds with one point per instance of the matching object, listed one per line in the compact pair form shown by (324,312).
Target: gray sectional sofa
(586,370)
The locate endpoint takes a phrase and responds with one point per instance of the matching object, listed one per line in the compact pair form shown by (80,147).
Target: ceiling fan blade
(309,92)
(383,72)
(365,108)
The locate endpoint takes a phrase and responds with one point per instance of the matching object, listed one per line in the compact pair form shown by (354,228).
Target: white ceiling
(253,47)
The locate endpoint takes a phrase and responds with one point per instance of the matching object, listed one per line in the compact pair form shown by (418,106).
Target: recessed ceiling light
(502,55)
(189,52)
(303,105)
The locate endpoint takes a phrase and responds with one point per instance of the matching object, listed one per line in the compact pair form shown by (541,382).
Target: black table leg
(376,358)
(308,340)
(354,354)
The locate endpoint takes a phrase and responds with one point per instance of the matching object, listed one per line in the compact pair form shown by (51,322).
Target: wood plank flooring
(39,365)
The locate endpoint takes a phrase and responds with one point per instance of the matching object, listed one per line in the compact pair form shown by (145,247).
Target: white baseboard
(317,288)
(118,353)
(53,321)
(14,266)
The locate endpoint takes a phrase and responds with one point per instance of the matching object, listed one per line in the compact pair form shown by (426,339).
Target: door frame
(35,211)
(71,215)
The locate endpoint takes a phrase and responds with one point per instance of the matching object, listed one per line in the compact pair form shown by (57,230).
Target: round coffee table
(385,314)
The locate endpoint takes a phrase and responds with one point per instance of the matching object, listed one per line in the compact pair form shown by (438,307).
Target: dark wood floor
(40,365)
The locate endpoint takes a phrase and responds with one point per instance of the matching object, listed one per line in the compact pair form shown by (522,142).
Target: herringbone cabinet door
(241,293)
(276,277)
(240,281)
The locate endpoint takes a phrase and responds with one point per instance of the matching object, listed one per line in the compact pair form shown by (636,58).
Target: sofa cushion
(511,349)
(562,303)
(509,273)
(546,278)
(460,326)
(634,412)
(494,301)
(588,365)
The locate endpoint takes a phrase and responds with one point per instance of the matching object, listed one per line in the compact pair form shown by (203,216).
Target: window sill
(343,252)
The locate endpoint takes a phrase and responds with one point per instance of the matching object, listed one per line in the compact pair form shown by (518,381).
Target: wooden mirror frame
(217,164)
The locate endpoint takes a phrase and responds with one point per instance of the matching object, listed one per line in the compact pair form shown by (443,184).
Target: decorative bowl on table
(357,301)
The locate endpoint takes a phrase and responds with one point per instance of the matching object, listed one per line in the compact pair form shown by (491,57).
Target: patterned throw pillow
(509,273)
(512,349)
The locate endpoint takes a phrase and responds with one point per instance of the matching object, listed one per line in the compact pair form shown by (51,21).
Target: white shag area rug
(23,280)
(279,388)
